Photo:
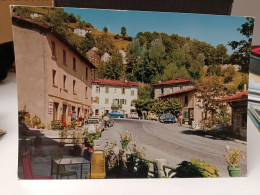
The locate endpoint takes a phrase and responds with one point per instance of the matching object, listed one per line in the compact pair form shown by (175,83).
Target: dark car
(167,118)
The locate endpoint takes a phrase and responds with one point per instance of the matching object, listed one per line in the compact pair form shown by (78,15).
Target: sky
(211,29)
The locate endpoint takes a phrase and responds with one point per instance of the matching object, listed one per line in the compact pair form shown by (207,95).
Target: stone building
(191,111)
(171,86)
(53,78)
(238,104)
(109,95)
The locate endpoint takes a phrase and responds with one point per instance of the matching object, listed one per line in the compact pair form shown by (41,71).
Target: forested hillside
(150,56)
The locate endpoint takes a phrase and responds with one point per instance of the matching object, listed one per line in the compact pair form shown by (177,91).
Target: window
(123,101)
(96,112)
(86,92)
(186,115)
(74,64)
(53,77)
(97,89)
(181,87)
(132,92)
(86,73)
(106,101)
(74,84)
(123,91)
(78,111)
(64,57)
(107,89)
(53,49)
(64,81)
(161,90)
(171,89)
(186,100)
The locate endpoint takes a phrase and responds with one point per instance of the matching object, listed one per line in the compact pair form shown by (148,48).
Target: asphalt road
(175,143)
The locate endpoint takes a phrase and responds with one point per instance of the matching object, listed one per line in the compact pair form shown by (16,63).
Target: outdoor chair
(56,154)
(97,168)
(27,168)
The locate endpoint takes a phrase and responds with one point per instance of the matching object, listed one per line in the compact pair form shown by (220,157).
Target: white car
(134,115)
(93,125)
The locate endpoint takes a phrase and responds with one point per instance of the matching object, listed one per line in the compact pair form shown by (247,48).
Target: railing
(168,171)
(155,169)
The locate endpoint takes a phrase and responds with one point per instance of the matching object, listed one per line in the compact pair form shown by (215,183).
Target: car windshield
(92,121)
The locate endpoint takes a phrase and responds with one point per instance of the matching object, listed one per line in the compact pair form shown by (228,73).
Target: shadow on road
(206,134)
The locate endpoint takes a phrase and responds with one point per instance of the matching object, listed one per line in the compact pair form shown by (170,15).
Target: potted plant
(98,134)
(143,168)
(89,142)
(35,121)
(63,135)
(233,158)
(125,137)
(75,150)
(131,162)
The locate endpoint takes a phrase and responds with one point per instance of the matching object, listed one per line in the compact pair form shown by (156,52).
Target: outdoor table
(71,161)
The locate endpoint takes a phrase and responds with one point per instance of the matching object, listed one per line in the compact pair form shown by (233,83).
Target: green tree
(207,93)
(142,105)
(159,107)
(105,29)
(196,67)
(145,91)
(87,43)
(242,48)
(123,31)
(228,74)
(173,106)
(213,70)
(114,69)
(221,54)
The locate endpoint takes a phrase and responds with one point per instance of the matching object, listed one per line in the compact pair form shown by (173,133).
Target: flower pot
(130,166)
(233,172)
(124,146)
(90,149)
(143,172)
(97,137)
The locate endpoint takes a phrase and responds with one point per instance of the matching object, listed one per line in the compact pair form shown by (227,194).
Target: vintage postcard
(130,94)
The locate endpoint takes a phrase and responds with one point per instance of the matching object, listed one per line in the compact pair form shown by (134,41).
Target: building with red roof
(191,111)
(171,86)
(113,95)
(238,104)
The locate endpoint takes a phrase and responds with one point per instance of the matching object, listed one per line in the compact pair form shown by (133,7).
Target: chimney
(245,88)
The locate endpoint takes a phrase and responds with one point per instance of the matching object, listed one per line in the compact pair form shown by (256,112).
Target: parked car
(152,116)
(167,118)
(134,115)
(115,114)
(93,125)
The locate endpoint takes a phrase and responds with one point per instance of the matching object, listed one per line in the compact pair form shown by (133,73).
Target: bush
(41,126)
(195,168)
(36,120)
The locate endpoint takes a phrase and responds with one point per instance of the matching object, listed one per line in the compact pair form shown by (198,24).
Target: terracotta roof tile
(115,82)
(238,96)
(177,80)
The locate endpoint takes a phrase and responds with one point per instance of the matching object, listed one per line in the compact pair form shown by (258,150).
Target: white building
(81,32)
(109,95)
(105,57)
